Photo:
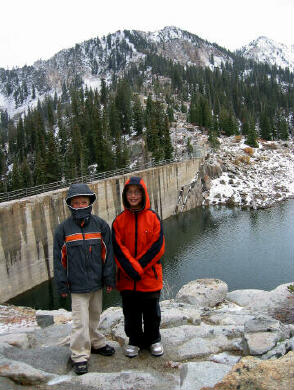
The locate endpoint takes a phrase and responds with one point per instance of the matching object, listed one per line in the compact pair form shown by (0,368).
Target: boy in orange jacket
(138,244)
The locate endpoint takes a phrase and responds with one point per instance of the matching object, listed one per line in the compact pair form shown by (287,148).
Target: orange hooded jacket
(138,244)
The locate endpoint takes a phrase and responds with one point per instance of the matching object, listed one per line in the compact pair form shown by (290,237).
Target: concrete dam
(27,225)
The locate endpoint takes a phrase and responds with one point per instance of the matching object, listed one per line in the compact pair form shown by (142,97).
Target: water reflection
(245,248)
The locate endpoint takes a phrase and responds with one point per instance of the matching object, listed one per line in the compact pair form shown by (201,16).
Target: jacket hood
(134,180)
(80,189)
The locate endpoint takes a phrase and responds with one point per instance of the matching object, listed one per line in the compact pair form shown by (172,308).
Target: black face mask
(81,215)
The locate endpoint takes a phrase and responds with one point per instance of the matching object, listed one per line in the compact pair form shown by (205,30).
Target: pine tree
(50,112)
(282,128)
(183,108)
(26,174)
(33,92)
(265,127)
(189,147)
(62,132)
(212,138)
(123,106)
(2,162)
(53,166)
(170,113)
(228,123)
(138,120)
(148,111)
(107,155)
(39,170)
(20,140)
(114,121)
(103,92)
(118,152)
(166,141)
(251,138)
(16,180)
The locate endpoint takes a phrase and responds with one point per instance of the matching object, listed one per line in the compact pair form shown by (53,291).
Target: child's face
(134,196)
(80,202)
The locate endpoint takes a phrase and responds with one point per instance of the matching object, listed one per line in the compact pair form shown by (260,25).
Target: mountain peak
(264,49)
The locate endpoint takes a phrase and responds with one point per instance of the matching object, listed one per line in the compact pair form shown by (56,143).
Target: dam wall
(27,225)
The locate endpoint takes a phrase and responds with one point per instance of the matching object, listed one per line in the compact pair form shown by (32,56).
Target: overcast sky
(37,29)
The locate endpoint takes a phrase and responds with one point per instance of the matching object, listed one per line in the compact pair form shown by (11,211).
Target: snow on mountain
(88,62)
(188,49)
(266,50)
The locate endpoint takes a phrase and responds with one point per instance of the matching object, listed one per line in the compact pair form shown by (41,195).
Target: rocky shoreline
(213,339)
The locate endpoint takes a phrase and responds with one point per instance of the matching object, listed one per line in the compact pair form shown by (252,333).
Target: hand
(108,289)
(64,295)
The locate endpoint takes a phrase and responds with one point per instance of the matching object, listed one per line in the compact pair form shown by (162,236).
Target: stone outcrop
(251,374)
(277,303)
(250,177)
(212,343)
(201,293)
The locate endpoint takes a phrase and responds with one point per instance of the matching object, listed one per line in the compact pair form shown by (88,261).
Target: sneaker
(80,368)
(131,351)
(156,349)
(107,350)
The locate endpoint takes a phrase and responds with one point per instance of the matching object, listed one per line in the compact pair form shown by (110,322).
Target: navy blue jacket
(83,256)
(82,249)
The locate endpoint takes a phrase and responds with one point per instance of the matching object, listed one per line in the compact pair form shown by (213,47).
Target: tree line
(83,129)
(79,132)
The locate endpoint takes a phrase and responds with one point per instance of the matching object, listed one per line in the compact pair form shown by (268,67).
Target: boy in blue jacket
(83,265)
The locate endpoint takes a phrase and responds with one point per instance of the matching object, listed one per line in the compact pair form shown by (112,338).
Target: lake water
(248,249)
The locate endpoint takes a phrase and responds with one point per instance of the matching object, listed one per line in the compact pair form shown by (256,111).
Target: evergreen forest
(82,130)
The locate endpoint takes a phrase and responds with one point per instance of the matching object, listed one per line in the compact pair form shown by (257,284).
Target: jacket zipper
(136,241)
(86,252)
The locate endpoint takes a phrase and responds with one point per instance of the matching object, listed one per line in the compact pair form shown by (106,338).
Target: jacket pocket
(76,265)
(95,261)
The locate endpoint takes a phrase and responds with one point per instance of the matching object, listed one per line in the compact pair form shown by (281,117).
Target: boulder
(203,292)
(195,375)
(277,303)
(261,334)
(251,373)
(128,380)
(19,340)
(44,320)
(189,342)
(175,314)
(53,360)
(23,373)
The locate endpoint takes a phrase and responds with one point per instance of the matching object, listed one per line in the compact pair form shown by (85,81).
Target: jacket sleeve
(107,257)
(156,249)
(60,261)
(125,261)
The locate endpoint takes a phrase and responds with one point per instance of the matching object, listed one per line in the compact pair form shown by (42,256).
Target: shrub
(242,159)
(237,138)
(249,150)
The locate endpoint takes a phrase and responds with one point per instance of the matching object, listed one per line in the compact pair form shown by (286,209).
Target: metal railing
(25,192)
